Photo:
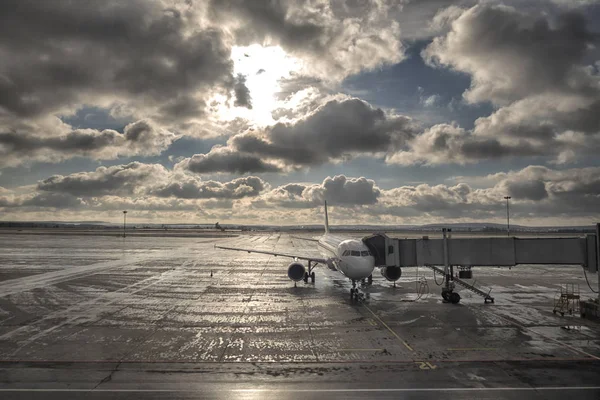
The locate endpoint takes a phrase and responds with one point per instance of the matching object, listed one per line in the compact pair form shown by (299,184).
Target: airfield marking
(340,390)
(389,329)
(473,349)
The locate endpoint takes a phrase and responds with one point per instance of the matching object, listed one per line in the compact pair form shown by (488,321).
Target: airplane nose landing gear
(355,295)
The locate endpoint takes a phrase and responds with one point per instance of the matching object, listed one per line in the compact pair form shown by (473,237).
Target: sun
(263,68)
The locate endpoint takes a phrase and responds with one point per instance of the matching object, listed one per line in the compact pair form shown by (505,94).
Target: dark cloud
(224,159)
(242,93)
(118,179)
(528,190)
(534,68)
(512,55)
(192,188)
(336,130)
(139,138)
(60,54)
(53,200)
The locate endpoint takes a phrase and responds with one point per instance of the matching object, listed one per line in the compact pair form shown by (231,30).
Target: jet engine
(296,271)
(392,273)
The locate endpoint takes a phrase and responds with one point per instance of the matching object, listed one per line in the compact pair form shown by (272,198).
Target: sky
(400,112)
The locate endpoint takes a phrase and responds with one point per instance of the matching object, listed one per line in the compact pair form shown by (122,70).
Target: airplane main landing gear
(310,274)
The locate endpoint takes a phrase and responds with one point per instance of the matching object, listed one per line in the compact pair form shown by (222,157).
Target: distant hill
(457,227)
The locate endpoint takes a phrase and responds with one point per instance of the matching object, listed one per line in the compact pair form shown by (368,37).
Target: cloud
(335,39)
(447,144)
(533,69)
(242,93)
(520,56)
(540,195)
(118,179)
(58,56)
(193,188)
(142,138)
(337,190)
(53,200)
(337,130)
(224,159)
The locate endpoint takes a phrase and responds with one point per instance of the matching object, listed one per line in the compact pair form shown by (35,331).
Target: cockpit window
(365,253)
(346,253)
(355,253)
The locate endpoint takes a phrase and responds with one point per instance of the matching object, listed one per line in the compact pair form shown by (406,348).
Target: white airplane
(349,256)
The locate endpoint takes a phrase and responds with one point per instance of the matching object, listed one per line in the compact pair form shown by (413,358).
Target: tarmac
(173,317)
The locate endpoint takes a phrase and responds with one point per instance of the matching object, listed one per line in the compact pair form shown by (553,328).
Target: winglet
(326,219)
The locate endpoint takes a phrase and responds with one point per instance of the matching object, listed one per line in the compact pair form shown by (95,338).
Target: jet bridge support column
(448,292)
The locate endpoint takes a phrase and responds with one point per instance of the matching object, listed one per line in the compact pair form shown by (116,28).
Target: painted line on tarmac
(473,349)
(350,350)
(340,390)
(389,329)
(403,361)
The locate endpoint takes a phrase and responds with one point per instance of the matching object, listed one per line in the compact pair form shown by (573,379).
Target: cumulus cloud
(118,179)
(447,144)
(339,190)
(336,38)
(139,138)
(533,69)
(242,93)
(193,188)
(141,179)
(57,55)
(224,159)
(511,55)
(539,195)
(337,130)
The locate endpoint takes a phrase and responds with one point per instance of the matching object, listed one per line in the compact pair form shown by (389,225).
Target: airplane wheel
(445,295)
(312,277)
(351,294)
(306,277)
(454,298)
(370,279)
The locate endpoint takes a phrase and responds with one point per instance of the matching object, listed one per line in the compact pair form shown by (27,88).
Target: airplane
(349,256)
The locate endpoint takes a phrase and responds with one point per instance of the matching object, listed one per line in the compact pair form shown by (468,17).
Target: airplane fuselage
(349,256)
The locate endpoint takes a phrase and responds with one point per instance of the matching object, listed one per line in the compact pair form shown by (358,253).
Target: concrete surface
(108,317)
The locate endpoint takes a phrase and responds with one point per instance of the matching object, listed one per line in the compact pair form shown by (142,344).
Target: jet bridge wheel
(454,298)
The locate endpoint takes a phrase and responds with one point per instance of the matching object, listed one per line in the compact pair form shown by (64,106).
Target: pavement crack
(108,378)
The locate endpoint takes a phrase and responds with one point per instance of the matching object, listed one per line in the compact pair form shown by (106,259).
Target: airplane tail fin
(326,219)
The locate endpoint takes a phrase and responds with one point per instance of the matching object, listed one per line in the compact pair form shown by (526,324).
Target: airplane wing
(294,256)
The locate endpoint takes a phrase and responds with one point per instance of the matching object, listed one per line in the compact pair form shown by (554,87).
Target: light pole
(124,221)
(507,216)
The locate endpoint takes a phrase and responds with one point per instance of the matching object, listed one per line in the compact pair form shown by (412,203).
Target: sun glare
(263,67)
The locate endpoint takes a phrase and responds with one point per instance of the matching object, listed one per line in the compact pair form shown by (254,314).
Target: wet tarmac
(108,317)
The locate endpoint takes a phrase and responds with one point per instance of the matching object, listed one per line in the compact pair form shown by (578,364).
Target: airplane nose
(362,268)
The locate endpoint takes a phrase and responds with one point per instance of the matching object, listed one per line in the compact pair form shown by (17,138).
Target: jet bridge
(483,252)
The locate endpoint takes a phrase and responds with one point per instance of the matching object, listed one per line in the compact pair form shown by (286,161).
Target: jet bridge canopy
(492,251)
